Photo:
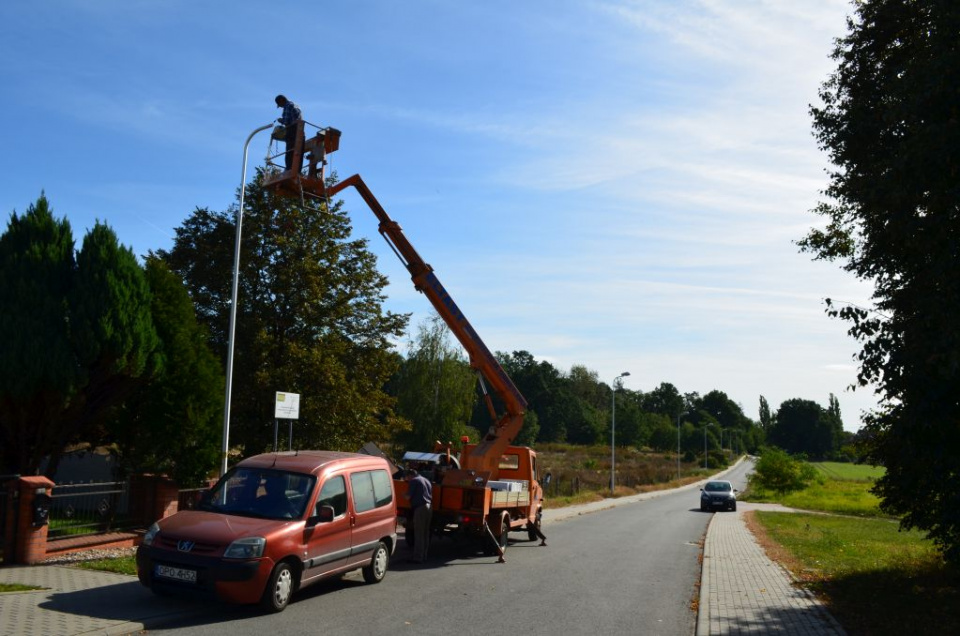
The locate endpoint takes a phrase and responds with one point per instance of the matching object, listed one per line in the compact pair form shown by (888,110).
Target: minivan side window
(334,493)
(371,489)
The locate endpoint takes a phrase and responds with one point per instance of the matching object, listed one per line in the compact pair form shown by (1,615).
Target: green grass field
(848,472)
(844,490)
(875,578)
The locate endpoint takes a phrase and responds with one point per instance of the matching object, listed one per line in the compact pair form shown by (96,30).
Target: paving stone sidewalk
(77,601)
(744,592)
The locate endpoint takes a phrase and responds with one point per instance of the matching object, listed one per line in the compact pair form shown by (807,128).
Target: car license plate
(177,574)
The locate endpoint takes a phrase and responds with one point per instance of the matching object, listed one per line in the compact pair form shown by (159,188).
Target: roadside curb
(703,603)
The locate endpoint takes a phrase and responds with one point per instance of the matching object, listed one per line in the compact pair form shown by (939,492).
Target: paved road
(633,569)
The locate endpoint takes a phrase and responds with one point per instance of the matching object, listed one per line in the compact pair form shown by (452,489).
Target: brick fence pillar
(167,498)
(153,497)
(31,540)
(9,500)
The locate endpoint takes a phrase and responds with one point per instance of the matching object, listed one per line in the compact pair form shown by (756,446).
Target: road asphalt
(741,590)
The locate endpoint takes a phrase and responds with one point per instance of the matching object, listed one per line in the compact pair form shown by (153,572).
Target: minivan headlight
(247,548)
(151,534)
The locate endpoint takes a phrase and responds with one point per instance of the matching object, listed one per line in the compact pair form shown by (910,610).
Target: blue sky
(611,183)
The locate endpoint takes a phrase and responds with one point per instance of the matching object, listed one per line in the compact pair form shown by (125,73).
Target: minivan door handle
(353,520)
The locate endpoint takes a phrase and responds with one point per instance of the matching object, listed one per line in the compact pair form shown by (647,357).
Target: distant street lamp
(705,443)
(678,442)
(233,306)
(613,428)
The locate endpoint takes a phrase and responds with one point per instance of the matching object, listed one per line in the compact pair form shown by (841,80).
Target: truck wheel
(504,531)
(377,569)
(279,589)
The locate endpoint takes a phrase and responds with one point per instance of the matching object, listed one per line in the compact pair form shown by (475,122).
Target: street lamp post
(233,305)
(705,444)
(613,428)
(678,442)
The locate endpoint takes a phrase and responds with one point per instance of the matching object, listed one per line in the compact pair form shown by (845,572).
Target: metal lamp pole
(678,442)
(705,445)
(233,306)
(613,428)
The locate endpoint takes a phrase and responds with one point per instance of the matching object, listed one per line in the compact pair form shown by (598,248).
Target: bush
(778,471)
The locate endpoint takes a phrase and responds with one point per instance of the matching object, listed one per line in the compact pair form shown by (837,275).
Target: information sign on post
(287,406)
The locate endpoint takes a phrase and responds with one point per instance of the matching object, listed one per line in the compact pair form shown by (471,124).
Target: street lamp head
(624,374)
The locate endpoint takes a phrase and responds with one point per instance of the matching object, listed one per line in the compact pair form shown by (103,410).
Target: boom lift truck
(496,487)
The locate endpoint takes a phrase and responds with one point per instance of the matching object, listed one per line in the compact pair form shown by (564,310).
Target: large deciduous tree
(540,383)
(310,319)
(890,122)
(803,426)
(435,389)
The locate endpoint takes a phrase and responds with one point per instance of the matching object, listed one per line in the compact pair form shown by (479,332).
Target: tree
(727,412)
(84,336)
(38,371)
(803,426)
(435,388)
(666,400)
(172,423)
(776,470)
(309,319)
(766,421)
(112,328)
(540,383)
(890,122)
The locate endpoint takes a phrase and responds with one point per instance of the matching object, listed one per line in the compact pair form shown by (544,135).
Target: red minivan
(275,523)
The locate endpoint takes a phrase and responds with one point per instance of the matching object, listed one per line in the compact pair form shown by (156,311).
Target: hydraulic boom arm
(505,427)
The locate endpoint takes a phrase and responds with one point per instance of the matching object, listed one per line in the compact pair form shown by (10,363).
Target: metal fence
(93,508)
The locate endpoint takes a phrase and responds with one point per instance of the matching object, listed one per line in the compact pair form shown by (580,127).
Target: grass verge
(120,565)
(17,587)
(874,578)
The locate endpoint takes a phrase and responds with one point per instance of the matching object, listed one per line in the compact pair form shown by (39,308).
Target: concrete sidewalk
(741,591)
(744,592)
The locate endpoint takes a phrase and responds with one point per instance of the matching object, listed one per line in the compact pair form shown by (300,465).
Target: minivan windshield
(260,492)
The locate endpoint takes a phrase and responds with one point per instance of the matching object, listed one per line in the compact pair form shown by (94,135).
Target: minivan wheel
(377,569)
(279,589)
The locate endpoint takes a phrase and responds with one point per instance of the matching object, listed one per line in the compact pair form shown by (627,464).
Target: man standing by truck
(420,494)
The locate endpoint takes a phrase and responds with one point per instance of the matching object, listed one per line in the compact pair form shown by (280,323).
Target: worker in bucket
(420,494)
(290,119)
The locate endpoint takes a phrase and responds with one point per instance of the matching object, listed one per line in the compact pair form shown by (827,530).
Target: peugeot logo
(184,546)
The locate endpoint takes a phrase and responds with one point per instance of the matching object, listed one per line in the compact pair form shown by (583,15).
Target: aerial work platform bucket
(312,152)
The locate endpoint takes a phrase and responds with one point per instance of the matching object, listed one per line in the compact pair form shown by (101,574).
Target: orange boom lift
(496,487)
